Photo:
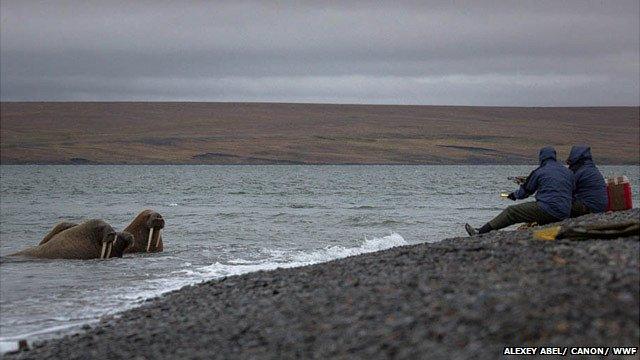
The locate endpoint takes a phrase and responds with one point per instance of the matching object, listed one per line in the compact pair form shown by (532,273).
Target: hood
(547,153)
(578,154)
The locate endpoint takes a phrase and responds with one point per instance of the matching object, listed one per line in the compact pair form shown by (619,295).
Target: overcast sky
(548,53)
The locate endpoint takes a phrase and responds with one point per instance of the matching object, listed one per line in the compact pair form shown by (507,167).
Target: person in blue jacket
(553,185)
(590,193)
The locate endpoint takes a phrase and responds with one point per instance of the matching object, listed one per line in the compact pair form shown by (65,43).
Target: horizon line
(309,103)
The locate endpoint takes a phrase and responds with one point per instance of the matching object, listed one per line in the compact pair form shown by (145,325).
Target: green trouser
(578,209)
(521,213)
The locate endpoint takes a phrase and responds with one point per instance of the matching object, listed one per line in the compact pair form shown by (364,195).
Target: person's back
(590,189)
(552,183)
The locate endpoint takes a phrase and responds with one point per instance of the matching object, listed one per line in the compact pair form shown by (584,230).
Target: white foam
(282,259)
(277,259)
(8,346)
(10,343)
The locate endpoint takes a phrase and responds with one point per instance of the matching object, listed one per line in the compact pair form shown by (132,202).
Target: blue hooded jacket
(552,183)
(590,188)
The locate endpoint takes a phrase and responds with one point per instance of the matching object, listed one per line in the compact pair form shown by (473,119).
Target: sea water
(221,221)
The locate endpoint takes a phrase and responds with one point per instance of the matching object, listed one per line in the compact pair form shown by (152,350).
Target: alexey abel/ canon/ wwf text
(572,351)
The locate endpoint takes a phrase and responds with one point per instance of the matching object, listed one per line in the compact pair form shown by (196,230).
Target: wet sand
(461,298)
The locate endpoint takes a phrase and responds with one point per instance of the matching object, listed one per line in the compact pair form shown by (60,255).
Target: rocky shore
(459,298)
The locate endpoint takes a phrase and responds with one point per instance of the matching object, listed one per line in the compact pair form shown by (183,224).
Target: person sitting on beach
(553,185)
(590,193)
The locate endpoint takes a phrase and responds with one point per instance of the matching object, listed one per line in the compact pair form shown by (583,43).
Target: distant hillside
(268,133)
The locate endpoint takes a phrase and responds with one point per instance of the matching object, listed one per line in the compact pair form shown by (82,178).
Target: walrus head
(155,221)
(123,241)
(146,228)
(105,237)
(115,243)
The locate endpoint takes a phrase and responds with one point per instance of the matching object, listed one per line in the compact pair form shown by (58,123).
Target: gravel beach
(459,298)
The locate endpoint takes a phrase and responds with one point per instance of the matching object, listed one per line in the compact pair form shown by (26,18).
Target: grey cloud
(484,53)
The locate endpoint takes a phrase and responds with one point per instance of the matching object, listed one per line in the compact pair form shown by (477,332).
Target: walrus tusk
(104,247)
(149,241)
(109,250)
(115,237)
(158,240)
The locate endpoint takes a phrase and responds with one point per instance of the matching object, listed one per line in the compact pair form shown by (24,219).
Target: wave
(229,215)
(10,343)
(306,206)
(303,206)
(276,259)
(363,221)
(279,215)
(282,259)
(481,208)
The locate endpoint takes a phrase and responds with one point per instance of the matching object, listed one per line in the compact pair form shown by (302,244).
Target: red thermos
(619,192)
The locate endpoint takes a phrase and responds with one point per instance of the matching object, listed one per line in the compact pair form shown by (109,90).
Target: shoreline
(460,297)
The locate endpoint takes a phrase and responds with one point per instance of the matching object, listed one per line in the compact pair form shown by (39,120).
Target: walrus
(93,239)
(146,229)
(60,227)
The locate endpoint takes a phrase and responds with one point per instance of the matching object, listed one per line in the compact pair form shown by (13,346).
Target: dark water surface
(221,220)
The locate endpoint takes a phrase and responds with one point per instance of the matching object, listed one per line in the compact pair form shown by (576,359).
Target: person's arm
(528,188)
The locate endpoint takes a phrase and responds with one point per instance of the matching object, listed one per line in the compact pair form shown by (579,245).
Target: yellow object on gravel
(548,234)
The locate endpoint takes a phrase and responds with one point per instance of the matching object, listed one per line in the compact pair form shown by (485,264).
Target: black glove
(512,196)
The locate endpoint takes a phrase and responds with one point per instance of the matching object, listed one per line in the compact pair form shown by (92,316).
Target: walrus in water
(94,239)
(146,229)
